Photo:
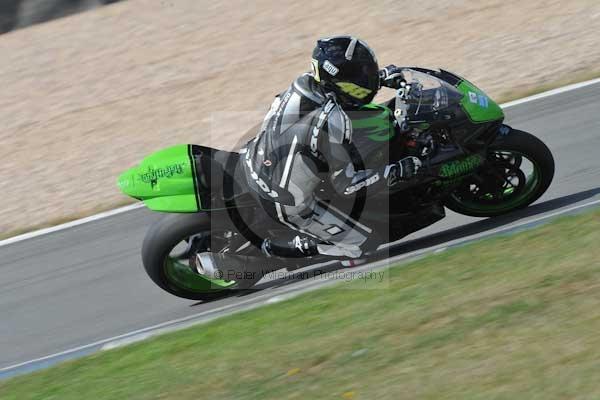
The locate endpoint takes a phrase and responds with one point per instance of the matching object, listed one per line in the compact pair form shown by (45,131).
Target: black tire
(532,148)
(160,240)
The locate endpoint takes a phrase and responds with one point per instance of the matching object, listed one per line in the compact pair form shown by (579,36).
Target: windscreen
(427,94)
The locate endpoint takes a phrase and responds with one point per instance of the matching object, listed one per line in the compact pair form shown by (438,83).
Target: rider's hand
(391,76)
(402,170)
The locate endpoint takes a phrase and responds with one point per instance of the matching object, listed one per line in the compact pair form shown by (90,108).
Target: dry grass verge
(89,95)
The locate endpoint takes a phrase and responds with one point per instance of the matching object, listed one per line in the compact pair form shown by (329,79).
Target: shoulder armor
(339,126)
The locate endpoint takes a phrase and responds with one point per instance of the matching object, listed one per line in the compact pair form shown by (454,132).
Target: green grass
(510,317)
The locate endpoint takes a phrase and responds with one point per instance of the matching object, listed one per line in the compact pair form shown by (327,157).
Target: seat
(219,176)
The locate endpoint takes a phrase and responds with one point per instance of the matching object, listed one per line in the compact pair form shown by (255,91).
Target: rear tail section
(164,181)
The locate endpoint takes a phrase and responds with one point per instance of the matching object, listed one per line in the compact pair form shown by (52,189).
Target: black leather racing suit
(306,137)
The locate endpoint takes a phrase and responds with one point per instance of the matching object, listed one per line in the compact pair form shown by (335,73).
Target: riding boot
(298,247)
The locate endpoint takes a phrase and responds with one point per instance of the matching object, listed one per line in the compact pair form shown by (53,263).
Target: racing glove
(391,76)
(402,170)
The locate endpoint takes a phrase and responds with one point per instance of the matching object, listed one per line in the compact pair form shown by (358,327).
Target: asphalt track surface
(82,285)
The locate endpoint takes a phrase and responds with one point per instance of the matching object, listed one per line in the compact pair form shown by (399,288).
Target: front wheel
(518,170)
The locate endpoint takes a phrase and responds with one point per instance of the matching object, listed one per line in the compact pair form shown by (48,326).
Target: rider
(307,137)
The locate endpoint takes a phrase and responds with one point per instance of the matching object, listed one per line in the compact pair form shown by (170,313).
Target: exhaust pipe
(205,265)
(235,267)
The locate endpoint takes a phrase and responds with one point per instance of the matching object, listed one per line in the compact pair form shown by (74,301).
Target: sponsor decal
(168,171)
(479,99)
(300,245)
(259,182)
(360,185)
(354,90)
(473,97)
(483,101)
(330,68)
(460,167)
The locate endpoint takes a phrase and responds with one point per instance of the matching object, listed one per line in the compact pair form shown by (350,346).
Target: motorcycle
(473,164)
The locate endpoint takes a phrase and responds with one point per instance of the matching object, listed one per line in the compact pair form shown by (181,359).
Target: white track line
(116,211)
(282,295)
(71,224)
(552,92)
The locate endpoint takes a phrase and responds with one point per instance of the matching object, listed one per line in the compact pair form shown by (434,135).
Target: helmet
(348,67)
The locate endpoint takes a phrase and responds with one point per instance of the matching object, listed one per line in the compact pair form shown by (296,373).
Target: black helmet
(347,66)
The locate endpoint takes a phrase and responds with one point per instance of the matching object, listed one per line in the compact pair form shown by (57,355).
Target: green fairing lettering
(460,167)
(168,171)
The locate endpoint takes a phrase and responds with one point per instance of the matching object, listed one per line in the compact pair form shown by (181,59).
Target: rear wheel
(169,254)
(518,170)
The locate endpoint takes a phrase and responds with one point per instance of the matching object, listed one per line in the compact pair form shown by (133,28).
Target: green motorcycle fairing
(164,181)
(375,119)
(478,107)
